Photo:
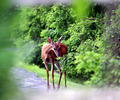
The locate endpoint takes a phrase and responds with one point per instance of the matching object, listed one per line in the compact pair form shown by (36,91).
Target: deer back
(63,49)
(48,54)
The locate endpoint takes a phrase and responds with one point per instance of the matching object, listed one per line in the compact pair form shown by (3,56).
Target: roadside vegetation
(93,41)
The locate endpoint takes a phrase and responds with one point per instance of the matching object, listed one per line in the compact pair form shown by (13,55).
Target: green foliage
(57,22)
(7,85)
(112,72)
(92,52)
(37,24)
(112,34)
(70,66)
(44,21)
(81,8)
(111,44)
(90,66)
(27,51)
(85,30)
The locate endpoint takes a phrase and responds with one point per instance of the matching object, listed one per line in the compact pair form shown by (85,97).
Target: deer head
(55,46)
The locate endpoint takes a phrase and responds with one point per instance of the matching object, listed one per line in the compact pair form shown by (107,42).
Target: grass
(41,72)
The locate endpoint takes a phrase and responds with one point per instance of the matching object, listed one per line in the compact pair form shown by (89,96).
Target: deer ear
(59,40)
(49,40)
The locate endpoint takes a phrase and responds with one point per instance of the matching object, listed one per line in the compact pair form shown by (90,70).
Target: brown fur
(49,56)
(47,52)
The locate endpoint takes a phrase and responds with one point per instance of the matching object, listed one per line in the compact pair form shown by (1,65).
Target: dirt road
(28,80)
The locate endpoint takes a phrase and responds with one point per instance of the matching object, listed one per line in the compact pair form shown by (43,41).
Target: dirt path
(35,88)
(28,80)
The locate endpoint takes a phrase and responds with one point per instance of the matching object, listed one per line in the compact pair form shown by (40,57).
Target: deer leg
(59,68)
(52,69)
(65,78)
(59,78)
(46,66)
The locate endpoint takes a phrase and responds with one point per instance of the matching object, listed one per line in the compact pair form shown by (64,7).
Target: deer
(49,53)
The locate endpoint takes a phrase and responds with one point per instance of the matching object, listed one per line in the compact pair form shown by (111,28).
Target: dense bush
(111,43)
(41,22)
